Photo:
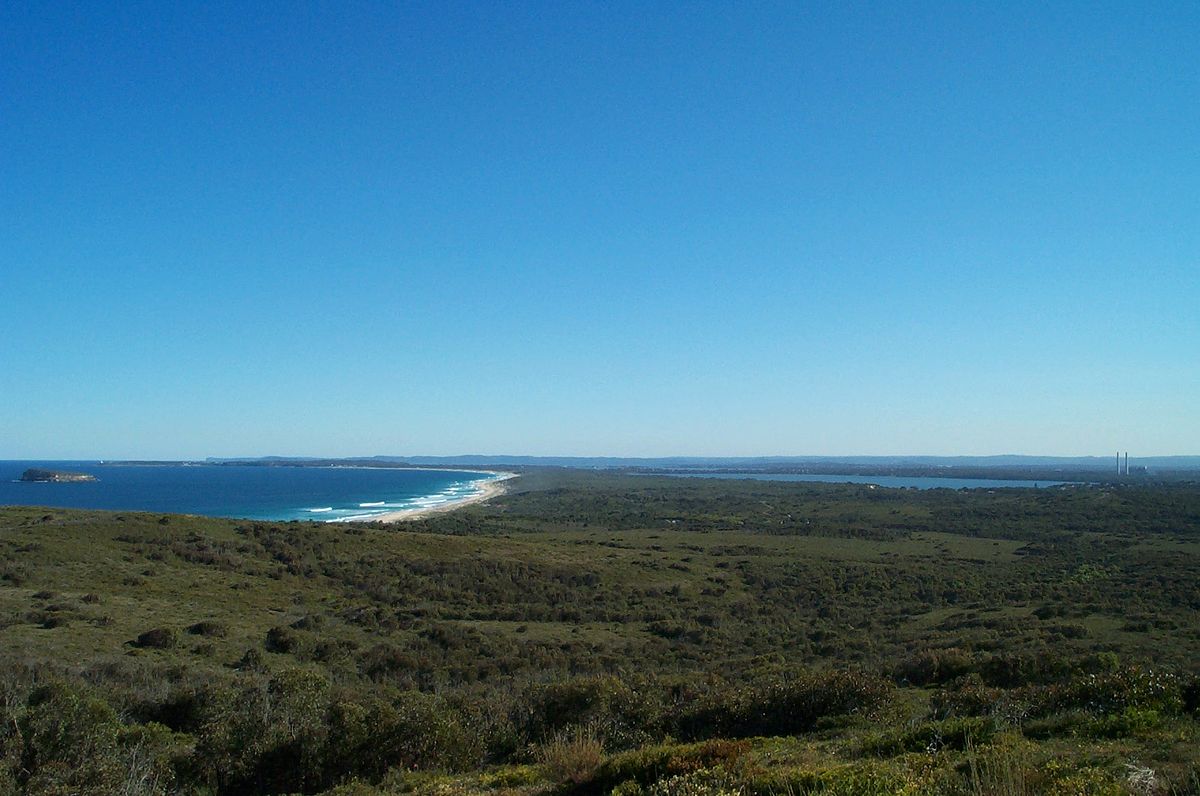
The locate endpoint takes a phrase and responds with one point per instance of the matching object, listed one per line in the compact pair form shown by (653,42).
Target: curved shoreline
(492,487)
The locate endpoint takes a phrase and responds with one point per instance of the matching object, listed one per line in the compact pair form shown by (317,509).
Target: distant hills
(1098,463)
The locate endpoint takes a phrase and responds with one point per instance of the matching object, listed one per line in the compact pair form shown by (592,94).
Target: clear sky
(599,228)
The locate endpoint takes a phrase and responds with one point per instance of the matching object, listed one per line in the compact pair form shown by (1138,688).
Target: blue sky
(599,228)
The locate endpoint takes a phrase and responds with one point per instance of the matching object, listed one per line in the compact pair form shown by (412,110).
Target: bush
(68,743)
(159,638)
(1129,722)
(151,752)
(786,705)
(384,661)
(263,737)
(252,661)
(623,715)
(862,778)
(367,737)
(643,767)
(932,736)
(933,667)
(571,757)
(209,629)
(1110,692)
(1021,669)
(1001,769)
(967,696)
(698,783)
(283,639)
(309,622)
(15,574)
(1190,696)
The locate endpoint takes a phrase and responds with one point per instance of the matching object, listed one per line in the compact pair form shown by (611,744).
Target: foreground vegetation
(594,633)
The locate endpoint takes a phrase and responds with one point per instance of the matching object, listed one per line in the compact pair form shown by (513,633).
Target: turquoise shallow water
(267,493)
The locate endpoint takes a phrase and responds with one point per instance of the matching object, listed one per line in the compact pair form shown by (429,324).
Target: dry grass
(572,756)
(998,772)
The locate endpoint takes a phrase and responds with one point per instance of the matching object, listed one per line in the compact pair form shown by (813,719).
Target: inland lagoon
(890,481)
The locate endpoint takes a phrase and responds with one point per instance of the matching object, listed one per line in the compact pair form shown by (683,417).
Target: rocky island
(54,476)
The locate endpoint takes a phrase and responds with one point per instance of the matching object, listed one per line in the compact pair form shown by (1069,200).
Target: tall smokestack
(1126,462)
(1118,462)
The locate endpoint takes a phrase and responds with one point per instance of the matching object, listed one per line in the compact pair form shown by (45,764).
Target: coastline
(491,488)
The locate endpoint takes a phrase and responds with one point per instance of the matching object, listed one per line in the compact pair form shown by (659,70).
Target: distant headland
(54,476)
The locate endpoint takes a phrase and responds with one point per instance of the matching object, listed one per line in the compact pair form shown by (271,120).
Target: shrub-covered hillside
(594,633)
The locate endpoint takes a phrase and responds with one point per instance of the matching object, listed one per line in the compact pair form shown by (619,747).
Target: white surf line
(487,489)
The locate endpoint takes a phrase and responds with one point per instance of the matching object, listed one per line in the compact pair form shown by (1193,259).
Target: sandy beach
(491,488)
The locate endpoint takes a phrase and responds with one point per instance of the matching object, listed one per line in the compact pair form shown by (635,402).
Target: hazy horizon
(834,458)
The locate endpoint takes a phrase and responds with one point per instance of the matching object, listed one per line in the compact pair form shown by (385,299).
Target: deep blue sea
(893,481)
(265,493)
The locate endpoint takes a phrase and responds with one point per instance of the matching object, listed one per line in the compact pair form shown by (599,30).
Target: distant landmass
(54,476)
(1083,469)
(1100,463)
(1086,469)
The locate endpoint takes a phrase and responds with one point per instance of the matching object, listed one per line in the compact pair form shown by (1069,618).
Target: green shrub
(510,777)
(1190,696)
(68,743)
(283,639)
(1064,724)
(650,764)
(932,667)
(1001,769)
(1129,722)
(623,715)
(369,736)
(263,736)
(252,660)
(151,755)
(1013,670)
(232,733)
(571,757)
(932,736)
(786,704)
(698,783)
(162,638)
(1109,692)
(865,778)
(967,696)
(1068,778)
(209,628)
(354,788)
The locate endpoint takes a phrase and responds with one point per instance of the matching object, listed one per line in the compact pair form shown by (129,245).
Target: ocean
(323,494)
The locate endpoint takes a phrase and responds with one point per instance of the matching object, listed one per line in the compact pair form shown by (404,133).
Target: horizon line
(774,456)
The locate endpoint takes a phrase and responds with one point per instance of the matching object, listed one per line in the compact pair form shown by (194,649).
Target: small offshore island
(36,475)
(305,494)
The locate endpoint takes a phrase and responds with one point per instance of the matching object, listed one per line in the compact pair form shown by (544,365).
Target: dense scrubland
(590,633)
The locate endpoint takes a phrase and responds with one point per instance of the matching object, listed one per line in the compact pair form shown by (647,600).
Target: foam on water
(248,492)
(453,493)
